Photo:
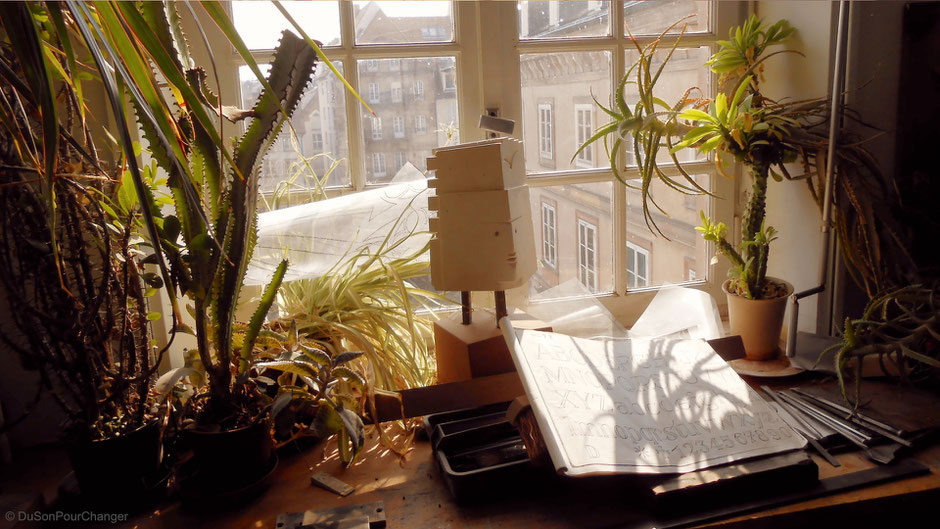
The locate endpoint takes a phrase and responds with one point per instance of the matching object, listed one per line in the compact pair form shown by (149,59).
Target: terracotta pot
(758,321)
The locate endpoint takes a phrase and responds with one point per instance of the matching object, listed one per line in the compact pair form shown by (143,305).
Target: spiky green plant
(209,240)
(761,134)
(901,328)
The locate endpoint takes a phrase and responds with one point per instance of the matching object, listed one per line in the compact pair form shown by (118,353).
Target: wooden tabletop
(415,496)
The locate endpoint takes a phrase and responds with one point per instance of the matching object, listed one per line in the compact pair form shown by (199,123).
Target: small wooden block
(478,349)
(330,483)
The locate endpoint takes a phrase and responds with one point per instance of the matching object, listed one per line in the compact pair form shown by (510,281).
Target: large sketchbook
(630,406)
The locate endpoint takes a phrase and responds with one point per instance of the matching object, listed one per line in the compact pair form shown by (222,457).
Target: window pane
(403,22)
(260,23)
(576,224)
(320,124)
(652,17)
(556,100)
(654,260)
(686,69)
(415,102)
(555,19)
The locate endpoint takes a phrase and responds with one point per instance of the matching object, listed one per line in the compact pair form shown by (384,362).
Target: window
(396,91)
(554,53)
(448,81)
(583,129)
(421,125)
(545,131)
(587,254)
(316,142)
(378,164)
(549,241)
(398,126)
(638,260)
(400,160)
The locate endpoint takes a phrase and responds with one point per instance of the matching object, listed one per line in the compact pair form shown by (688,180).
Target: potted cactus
(207,244)
(744,125)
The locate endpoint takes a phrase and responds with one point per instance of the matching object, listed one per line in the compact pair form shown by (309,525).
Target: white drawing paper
(634,406)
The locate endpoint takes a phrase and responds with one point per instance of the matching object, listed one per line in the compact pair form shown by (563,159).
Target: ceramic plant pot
(119,469)
(758,321)
(232,458)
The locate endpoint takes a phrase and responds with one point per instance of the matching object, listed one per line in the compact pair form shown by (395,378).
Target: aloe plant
(761,134)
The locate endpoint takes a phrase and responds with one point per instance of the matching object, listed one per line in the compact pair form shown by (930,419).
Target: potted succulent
(207,244)
(70,266)
(744,125)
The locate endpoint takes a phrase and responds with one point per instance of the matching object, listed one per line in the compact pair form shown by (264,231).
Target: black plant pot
(123,470)
(227,466)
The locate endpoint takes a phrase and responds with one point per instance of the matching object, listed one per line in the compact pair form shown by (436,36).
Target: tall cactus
(210,239)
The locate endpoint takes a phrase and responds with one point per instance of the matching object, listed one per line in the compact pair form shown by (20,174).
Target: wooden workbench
(415,497)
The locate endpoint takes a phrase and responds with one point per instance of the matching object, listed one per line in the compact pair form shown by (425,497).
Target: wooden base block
(478,349)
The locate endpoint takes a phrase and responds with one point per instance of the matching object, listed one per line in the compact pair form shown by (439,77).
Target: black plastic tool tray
(479,452)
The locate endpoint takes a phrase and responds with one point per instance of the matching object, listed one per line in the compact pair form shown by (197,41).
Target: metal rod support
(501,311)
(465,307)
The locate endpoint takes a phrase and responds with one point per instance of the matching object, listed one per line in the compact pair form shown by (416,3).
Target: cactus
(210,239)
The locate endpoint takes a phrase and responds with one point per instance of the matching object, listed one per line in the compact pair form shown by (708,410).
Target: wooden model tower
(482,240)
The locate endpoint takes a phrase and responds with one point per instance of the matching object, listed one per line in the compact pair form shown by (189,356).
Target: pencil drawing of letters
(642,406)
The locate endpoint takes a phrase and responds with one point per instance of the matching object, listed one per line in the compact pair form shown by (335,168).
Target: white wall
(796,254)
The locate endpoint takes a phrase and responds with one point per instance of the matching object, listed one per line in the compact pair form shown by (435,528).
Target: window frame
(626,305)
(488,77)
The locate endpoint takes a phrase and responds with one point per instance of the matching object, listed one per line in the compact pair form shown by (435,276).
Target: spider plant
(369,300)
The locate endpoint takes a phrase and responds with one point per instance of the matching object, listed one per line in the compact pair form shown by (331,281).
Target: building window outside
(638,261)
(421,125)
(584,128)
(372,65)
(587,254)
(449,80)
(546,149)
(316,141)
(398,126)
(394,65)
(374,95)
(418,88)
(378,164)
(549,236)
(376,128)
(400,160)
(396,92)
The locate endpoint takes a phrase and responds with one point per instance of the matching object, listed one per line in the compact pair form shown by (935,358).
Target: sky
(260,23)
